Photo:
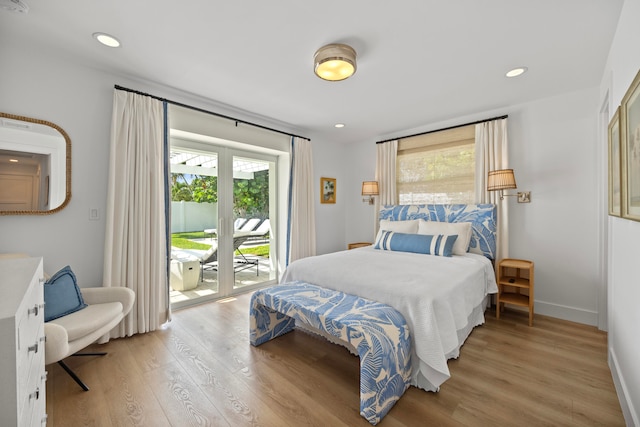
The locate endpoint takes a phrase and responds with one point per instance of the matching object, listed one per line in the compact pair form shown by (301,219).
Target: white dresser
(22,374)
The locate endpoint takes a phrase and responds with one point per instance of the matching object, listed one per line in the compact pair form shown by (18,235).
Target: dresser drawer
(31,339)
(31,375)
(34,403)
(30,315)
(22,392)
(39,418)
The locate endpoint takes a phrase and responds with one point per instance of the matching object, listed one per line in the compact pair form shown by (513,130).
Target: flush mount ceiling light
(107,39)
(339,125)
(335,62)
(516,72)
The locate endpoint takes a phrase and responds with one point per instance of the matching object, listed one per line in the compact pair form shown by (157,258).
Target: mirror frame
(67,162)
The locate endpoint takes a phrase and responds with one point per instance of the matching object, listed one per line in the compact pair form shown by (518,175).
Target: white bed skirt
(476,318)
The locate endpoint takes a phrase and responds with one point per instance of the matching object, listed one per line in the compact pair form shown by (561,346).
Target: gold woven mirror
(35,166)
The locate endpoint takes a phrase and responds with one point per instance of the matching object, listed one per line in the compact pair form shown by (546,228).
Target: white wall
(624,235)
(360,216)
(40,85)
(329,162)
(553,150)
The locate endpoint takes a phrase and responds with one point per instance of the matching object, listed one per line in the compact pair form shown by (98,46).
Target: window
(438,167)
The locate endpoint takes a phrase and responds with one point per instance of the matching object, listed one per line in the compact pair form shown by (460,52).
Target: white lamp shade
(502,179)
(370,188)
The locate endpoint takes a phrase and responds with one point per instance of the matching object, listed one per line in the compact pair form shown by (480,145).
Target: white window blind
(437,167)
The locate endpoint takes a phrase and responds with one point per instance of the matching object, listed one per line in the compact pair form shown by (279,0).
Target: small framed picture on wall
(615,198)
(630,149)
(327,190)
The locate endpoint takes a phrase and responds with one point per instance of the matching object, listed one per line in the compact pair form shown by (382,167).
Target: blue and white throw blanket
(378,332)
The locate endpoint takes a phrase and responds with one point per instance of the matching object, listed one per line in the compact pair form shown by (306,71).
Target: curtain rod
(448,128)
(179,104)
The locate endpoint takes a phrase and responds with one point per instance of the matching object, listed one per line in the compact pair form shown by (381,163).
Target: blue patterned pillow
(62,295)
(438,244)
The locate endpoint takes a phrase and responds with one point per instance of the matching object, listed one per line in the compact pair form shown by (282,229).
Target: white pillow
(407,227)
(462,229)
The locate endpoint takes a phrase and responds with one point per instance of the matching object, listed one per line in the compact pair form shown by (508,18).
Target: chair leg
(99,353)
(249,262)
(73,374)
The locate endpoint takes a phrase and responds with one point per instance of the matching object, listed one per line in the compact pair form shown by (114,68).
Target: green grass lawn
(262,250)
(183,241)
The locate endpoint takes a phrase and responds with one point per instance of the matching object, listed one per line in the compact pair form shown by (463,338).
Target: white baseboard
(588,317)
(631,416)
(573,314)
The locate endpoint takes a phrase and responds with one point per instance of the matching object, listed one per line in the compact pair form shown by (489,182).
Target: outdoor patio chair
(250,225)
(209,257)
(239,222)
(240,263)
(261,232)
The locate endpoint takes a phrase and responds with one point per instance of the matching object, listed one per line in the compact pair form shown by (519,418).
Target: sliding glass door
(254,214)
(223,219)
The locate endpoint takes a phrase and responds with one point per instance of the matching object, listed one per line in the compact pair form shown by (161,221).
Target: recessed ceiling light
(106,39)
(516,72)
(339,125)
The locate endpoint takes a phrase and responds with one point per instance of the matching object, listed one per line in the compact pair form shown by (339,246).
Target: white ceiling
(419,61)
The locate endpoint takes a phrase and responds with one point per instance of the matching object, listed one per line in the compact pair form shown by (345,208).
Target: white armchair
(67,335)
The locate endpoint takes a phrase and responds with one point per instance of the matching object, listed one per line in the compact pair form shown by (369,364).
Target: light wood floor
(200,370)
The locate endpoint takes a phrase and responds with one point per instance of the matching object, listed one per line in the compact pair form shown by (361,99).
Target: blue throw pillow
(62,295)
(438,244)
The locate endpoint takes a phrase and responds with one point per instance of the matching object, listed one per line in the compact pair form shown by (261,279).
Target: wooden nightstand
(515,285)
(358,245)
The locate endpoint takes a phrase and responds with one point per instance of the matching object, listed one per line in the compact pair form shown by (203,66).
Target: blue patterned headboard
(482,218)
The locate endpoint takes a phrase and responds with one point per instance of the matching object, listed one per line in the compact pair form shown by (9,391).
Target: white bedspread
(436,295)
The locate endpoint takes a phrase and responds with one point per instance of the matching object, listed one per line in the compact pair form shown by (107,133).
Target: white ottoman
(184,274)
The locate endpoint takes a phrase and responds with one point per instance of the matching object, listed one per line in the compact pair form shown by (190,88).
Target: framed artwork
(630,149)
(327,190)
(615,199)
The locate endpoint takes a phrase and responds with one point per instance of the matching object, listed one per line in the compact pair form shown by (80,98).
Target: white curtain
(301,233)
(491,154)
(136,218)
(386,153)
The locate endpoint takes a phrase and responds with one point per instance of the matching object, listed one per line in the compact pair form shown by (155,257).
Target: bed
(441,297)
